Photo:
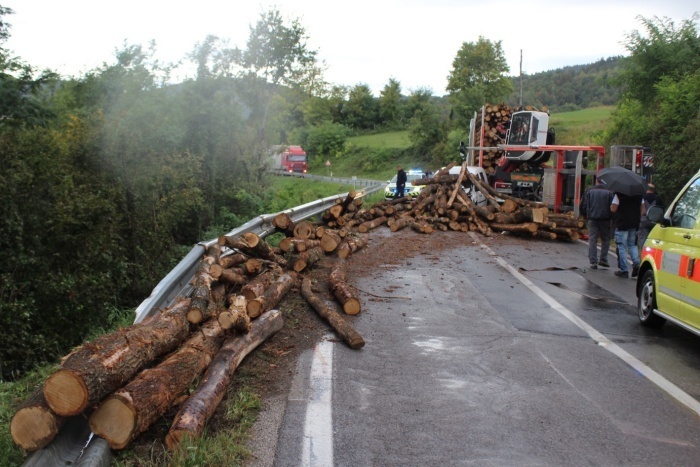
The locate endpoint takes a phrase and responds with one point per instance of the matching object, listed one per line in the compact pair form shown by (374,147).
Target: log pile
(444,204)
(496,120)
(126,380)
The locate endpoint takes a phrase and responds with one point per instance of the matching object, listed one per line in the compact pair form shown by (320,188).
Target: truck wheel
(646,303)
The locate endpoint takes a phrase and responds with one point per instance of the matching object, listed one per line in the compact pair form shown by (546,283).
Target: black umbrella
(621,180)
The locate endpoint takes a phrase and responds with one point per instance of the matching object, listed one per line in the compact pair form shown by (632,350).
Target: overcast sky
(361,41)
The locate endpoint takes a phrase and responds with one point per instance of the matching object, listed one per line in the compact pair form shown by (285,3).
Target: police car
(409,189)
(668,285)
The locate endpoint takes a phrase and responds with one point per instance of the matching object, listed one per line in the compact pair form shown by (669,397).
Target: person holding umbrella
(628,207)
(629,210)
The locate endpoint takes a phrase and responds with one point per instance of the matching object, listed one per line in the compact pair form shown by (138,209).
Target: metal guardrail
(75,444)
(354,181)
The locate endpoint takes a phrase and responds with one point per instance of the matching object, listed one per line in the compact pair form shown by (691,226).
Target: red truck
(290,159)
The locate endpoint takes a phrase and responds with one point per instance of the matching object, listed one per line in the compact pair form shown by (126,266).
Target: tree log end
(32,428)
(114,421)
(66,393)
(254,308)
(352,307)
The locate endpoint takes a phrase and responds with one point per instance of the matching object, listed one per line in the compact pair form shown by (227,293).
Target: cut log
(216,297)
(272,295)
(301,261)
(34,424)
(283,223)
(132,409)
(235,317)
(202,285)
(330,241)
(257,286)
(230,261)
(232,276)
(351,244)
(373,224)
(527,227)
(304,229)
(96,369)
(342,291)
(201,405)
(342,327)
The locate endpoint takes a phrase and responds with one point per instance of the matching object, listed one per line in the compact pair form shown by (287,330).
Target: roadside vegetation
(111,177)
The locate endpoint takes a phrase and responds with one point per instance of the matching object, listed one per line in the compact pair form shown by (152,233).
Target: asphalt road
(497,351)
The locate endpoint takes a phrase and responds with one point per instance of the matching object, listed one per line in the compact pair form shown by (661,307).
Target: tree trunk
(232,276)
(342,327)
(342,292)
(527,227)
(132,409)
(96,369)
(34,424)
(230,261)
(272,295)
(201,405)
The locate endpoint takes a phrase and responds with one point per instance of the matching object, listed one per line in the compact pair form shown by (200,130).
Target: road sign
(328,163)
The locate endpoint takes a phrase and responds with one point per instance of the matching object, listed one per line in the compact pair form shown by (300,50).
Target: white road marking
(318,425)
(673,390)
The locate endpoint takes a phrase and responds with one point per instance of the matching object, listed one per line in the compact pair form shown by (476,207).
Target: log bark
(34,425)
(132,409)
(230,261)
(341,327)
(342,291)
(272,295)
(201,405)
(96,369)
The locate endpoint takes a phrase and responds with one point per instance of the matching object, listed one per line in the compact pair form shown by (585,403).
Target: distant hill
(571,88)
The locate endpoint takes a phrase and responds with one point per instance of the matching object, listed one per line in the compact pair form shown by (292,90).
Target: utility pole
(521,77)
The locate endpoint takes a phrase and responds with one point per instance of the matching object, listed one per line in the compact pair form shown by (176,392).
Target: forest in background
(112,176)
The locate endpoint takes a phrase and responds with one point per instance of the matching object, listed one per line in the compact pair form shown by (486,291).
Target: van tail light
(501,185)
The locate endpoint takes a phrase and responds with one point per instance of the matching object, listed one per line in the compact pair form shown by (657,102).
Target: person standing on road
(400,181)
(629,211)
(596,208)
(645,226)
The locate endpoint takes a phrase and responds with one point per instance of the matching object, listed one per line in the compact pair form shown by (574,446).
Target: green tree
(327,140)
(361,110)
(660,107)
(390,104)
(20,90)
(478,76)
(663,51)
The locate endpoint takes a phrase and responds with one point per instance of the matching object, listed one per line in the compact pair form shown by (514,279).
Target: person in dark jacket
(400,181)
(596,206)
(629,210)
(645,226)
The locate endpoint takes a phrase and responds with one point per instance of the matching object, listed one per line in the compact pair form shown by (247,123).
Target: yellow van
(668,285)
